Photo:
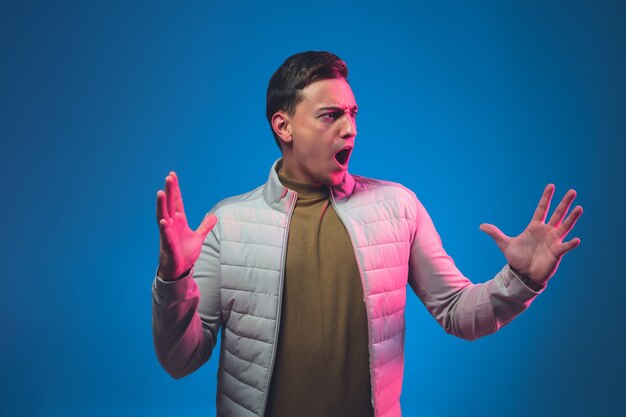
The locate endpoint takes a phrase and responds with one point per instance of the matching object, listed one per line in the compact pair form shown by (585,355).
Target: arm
(186,306)
(463,309)
(473,310)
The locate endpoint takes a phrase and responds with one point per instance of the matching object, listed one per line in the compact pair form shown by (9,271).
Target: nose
(348,128)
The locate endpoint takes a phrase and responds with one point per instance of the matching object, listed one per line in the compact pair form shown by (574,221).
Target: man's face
(322,131)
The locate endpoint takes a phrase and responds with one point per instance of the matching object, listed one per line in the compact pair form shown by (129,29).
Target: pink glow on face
(322,132)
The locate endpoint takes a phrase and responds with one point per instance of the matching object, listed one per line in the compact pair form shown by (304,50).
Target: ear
(281,124)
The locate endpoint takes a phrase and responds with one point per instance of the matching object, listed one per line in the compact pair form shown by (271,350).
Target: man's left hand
(537,251)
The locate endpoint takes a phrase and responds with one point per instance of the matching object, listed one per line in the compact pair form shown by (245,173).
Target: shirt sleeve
(463,309)
(186,313)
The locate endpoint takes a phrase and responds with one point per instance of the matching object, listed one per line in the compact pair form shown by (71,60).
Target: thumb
(207,224)
(496,234)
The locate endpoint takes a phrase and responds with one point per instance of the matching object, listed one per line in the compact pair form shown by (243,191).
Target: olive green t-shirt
(321,367)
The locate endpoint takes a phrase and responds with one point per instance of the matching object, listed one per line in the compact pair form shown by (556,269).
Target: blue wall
(475,106)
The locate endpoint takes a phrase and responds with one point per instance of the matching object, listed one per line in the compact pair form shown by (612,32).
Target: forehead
(331,92)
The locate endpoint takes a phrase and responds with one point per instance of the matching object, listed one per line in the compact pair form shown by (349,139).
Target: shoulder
(391,197)
(245,199)
(365,185)
(388,194)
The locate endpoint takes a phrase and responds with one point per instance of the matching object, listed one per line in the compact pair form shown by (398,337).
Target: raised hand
(180,246)
(537,251)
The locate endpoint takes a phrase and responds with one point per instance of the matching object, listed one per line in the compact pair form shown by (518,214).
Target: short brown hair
(298,71)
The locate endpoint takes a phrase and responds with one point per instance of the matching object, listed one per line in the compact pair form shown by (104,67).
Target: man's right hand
(180,246)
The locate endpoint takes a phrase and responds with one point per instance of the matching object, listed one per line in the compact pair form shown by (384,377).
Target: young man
(306,275)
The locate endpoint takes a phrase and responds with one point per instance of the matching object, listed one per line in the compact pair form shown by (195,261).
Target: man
(306,275)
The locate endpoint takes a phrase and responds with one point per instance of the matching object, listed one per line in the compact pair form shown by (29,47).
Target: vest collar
(279,197)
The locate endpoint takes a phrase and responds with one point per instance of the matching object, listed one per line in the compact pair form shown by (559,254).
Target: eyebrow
(353,108)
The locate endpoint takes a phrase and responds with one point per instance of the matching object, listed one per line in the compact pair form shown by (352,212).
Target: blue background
(475,106)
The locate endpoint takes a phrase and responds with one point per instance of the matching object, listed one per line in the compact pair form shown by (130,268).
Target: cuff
(527,283)
(174,289)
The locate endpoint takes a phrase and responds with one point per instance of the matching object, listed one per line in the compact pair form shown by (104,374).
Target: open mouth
(343,155)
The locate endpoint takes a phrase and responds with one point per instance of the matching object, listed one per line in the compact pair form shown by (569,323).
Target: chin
(336,178)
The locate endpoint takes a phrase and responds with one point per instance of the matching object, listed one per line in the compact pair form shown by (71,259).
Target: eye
(353,113)
(333,115)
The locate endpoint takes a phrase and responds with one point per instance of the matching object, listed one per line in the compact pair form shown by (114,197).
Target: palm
(537,251)
(180,246)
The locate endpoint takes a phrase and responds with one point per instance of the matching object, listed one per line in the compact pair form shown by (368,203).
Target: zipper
(280,299)
(365,299)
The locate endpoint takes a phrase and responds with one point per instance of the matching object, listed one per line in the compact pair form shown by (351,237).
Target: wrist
(526,280)
(171,276)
